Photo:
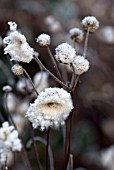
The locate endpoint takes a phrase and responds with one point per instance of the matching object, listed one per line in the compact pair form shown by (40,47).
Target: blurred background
(93,128)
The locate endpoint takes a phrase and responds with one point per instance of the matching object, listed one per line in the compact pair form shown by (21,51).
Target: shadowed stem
(69,132)
(86,42)
(71,162)
(35,148)
(75,83)
(30,81)
(73,79)
(56,79)
(43,141)
(47,147)
(66,145)
(54,62)
(23,153)
(5,166)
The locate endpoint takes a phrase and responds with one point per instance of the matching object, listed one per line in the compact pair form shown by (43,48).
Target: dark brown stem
(86,43)
(72,84)
(70,133)
(47,147)
(60,82)
(5,166)
(54,62)
(30,81)
(66,145)
(75,83)
(35,148)
(71,162)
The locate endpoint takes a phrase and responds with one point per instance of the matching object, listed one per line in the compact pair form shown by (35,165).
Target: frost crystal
(9,140)
(13,26)
(65,53)
(81,65)
(76,34)
(90,22)
(43,40)
(50,109)
(17,47)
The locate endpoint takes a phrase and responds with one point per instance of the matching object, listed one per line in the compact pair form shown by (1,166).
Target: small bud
(17,69)
(91,23)
(43,40)
(76,34)
(7,88)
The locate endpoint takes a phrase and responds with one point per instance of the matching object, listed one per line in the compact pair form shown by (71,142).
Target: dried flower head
(9,140)
(65,53)
(81,65)
(17,69)
(7,88)
(91,23)
(41,80)
(49,20)
(19,121)
(23,85)
(50,109)
(107,158)
(17,47)
(43,40)
(76,34)
(12,102)
(106,34)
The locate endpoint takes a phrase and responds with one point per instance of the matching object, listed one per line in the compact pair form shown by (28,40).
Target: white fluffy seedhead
(43,40)
(50,109)
(65,53)
(81,65)
(76,34)
(91,23)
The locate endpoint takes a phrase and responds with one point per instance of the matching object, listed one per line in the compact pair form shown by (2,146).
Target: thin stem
(64,73)
(70,130)
(25,159)
(86,43)
(75,83)
(54,62)
(73,77)
(47,147)
(23,153)
(14,159)
(75,45)
(35,148)
(5,166)
(60,82)
(66,145)
(71,162)
(40,139)
(70,133)
(30,81)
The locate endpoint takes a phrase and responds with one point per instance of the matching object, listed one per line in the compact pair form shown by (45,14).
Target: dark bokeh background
(93,129)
